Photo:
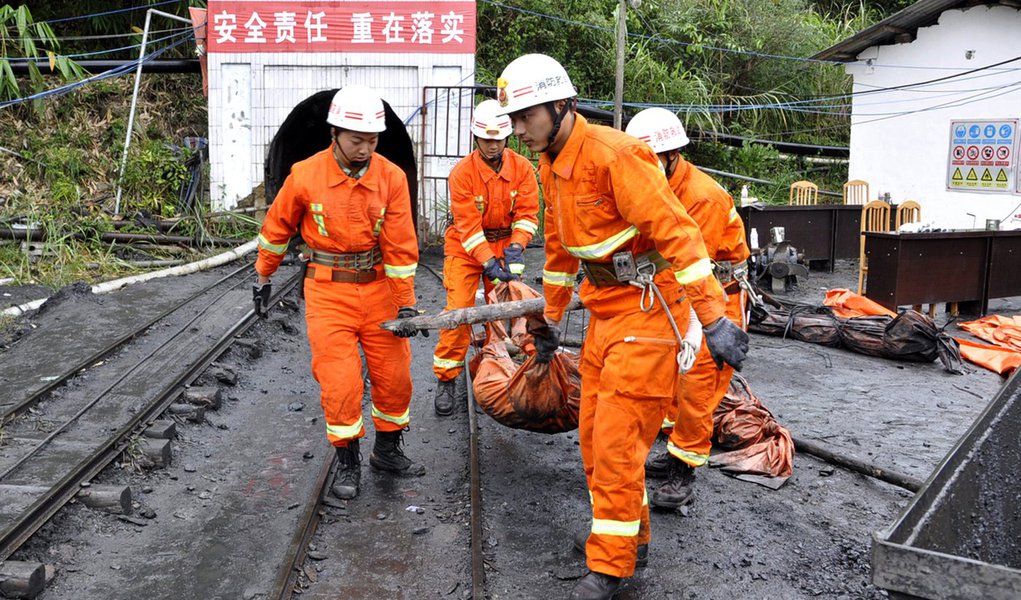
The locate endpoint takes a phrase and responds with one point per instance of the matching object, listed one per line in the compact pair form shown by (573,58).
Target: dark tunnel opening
(305,132)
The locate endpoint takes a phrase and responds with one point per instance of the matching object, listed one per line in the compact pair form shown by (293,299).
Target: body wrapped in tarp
(909,335)
(537,397)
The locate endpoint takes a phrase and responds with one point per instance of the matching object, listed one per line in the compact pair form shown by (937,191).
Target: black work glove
(515,262)
(727,343)
(260,296)
(495,271)
(406,330)
(547,339)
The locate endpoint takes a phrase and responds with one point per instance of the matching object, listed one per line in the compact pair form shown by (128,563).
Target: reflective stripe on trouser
(461,279)
(625,387)
(340,316)
(699,392)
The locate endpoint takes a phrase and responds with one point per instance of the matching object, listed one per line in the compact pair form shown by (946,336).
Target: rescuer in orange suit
(353,209)
(610,211)
(689,421)
(494,201)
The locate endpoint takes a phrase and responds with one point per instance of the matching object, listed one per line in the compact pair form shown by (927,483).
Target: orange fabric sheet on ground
(1004,333)
(846,305)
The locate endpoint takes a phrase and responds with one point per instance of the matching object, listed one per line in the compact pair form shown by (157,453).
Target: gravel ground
(809,539)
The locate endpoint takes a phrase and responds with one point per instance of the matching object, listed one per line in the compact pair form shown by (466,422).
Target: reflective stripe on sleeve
(402,419)
(345,431)
(474,241)
(444,363)
(691,458)
(558,278)
(271,247)
(733,215)
(603,248)
(667,424)
(400,272)
(695,271)
(618,528)
(528,226)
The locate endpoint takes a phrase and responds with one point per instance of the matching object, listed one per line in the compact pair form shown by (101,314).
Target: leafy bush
(153,177)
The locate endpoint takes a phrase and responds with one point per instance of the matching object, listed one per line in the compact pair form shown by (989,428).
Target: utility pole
(618,89)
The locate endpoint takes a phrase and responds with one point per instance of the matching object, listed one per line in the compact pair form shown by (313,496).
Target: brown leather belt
(493,235)
(352,261)
(603,274)
(344,276)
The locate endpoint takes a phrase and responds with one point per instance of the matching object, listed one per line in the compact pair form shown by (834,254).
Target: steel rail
(70,371)
(41,511)
(309,522)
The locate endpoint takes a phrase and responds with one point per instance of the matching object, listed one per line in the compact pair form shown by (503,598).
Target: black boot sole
(415,470)
(669,504)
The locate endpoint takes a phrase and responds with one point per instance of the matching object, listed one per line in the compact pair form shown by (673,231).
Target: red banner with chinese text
(313,26)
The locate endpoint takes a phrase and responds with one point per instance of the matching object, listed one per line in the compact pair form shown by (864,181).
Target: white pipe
(116,284)
(23,308)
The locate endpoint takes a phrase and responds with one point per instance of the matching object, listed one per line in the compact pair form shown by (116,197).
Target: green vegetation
(22,37)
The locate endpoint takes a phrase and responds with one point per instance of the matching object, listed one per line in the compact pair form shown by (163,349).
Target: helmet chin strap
(353,164)
(671,165)
(558,119)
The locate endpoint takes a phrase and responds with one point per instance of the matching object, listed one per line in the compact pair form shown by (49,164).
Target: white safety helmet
(530,80)
(659,128)
(357,108)
(488,124)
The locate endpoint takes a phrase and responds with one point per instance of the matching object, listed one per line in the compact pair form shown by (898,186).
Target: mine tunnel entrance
(305,132)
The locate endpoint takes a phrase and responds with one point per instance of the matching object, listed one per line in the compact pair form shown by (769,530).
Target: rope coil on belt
(644,279)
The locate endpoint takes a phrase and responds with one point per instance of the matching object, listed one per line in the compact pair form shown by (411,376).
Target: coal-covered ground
(409,538)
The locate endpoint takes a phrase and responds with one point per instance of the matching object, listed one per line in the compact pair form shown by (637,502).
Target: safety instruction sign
(983,156)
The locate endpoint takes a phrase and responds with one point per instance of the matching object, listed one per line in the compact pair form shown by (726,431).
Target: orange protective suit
(689,422)
(605,194)
(481,200)
(341,214)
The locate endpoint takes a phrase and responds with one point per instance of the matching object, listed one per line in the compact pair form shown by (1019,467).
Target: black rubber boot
(679,488)
(642,558)
(658,465)
(387,455)
(444,400)
(596,586)
(349,472)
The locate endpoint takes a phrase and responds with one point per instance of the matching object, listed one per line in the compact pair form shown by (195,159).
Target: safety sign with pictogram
(981,156)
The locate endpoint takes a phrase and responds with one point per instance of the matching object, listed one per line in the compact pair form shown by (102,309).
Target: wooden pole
(618,88)
(453,319)
(816,449)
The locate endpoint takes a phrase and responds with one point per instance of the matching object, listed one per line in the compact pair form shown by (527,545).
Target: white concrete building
(266,56)
(930,83)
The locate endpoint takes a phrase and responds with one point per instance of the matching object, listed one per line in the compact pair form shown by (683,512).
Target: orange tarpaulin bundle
(761,450)
(846,304)
(1004,356)
(538,397)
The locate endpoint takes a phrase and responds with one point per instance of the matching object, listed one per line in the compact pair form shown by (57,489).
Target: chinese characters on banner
(310,26)
(982,156)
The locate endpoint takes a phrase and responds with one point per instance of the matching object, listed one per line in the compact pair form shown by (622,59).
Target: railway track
(59,446)
(312,512)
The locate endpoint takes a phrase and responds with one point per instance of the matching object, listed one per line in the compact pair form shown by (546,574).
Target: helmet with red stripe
(357,108)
